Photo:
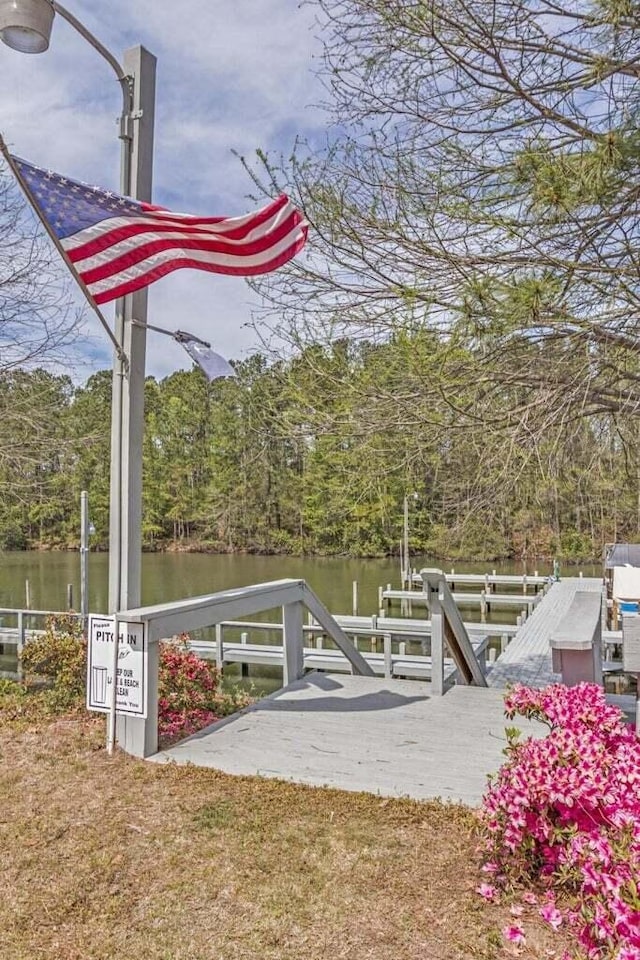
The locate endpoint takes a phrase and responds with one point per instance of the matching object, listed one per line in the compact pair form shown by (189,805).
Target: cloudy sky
(231,77)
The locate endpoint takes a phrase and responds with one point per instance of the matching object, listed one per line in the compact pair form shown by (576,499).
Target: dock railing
(448,629)
(18,635)
(138,735)
(576,642)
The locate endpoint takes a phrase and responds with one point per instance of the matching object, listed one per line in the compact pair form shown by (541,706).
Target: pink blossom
(552,915)
(564,812)
(515,934)
(487,891)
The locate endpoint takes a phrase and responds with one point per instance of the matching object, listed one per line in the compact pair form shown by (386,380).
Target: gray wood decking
(384,736)
(527,659)
(388,737)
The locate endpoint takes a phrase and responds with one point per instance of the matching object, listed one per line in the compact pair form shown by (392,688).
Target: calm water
(174,576)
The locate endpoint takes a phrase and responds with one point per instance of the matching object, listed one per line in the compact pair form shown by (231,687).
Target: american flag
(118,245)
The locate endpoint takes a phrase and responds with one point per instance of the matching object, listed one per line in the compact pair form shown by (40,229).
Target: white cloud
(231,76)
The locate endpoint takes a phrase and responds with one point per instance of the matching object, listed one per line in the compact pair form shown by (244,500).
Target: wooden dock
(522,601)
(384,664)
(490,580)
(527,659)
(390,738)
(387,736)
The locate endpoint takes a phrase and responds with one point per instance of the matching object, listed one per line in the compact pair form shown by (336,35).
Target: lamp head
(25,25)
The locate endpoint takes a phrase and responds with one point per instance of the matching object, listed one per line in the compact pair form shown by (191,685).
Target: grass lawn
(117,858)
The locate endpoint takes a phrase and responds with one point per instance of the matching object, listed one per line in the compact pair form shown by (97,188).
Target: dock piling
(244,667)
(388,667)
(219,647)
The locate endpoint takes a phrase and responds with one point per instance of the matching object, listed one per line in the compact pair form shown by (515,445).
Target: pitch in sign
(131,676)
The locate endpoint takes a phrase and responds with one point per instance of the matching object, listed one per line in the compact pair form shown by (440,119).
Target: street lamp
(25,25)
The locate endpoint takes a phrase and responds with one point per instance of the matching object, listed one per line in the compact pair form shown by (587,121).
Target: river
(172,576)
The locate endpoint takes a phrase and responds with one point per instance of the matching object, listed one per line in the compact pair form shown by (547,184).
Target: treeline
(316,454)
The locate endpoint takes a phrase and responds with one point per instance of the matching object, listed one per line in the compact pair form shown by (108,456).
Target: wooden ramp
(388,737)
(527,659)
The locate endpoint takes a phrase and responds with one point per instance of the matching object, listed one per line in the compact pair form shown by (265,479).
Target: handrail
(447,626)
(138,735)
(25,611)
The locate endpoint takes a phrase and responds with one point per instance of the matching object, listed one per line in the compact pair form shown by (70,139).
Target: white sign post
(131,671)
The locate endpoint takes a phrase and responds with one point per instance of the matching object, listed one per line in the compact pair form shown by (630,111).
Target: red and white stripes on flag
(118,245)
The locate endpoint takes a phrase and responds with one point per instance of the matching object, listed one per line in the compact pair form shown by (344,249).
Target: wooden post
(524,584)
(69,596)
(483,606)
(20,644)
(437,642)
(219,648)
(380,597)
(354,597)
(492,654)
(27,594)
(388,664)
(244,667)
(293,665)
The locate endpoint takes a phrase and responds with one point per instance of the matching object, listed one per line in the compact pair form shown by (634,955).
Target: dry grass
(115,858)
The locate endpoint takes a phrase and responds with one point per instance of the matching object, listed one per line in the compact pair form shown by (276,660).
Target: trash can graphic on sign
(131,672)
(98,692)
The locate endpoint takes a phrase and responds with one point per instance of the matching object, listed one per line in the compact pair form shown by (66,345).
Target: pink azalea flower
(487,891)
(516,910)
(564,811)
(552,915)
(514,934)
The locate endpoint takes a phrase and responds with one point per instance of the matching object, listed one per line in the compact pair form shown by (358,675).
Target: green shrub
(189,694)
(59,656)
